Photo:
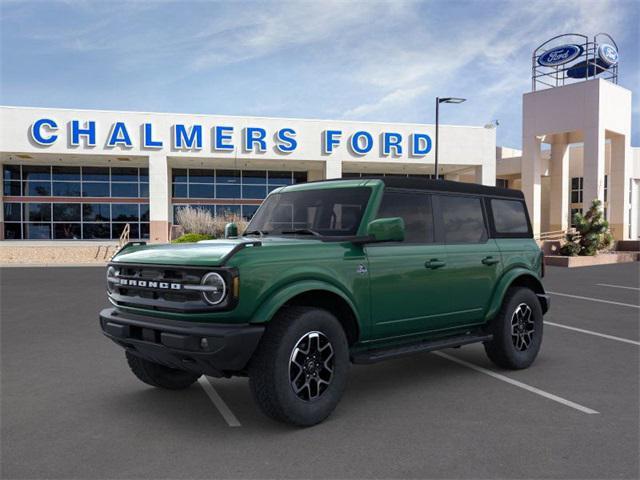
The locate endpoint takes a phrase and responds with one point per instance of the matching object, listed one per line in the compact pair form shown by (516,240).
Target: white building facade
(85,174)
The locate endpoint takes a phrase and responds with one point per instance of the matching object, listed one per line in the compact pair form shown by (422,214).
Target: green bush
(591,235)
(192,238)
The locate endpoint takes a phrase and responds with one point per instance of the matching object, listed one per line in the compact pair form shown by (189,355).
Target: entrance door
(408,279)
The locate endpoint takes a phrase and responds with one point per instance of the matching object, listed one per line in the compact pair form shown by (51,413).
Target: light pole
(438,102)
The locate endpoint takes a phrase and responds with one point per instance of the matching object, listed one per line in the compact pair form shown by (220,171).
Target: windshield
(325,212)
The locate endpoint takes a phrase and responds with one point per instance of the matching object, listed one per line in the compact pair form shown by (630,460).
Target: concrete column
(159,198)
(593,166)
(618,191)
(486,174)
(531,181)
(332,169)
(559,191)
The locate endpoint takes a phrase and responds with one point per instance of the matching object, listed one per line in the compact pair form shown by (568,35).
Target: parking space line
(516,383)
(595,299)
(616,286)
(222,407)
(610,337)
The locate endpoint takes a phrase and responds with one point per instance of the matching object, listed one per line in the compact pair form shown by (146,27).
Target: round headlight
(111,274)
(215,290)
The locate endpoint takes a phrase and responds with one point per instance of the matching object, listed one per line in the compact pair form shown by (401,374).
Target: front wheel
(517,330)
(299,370)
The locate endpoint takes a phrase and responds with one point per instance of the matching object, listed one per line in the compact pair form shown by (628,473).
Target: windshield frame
(307,230)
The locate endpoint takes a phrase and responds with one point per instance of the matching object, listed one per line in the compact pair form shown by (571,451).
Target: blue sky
(367,60)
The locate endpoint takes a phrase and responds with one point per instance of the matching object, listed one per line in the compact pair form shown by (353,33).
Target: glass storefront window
(12,212)
(66,173)
(66,189)
(37,189)
(37,231)
(66,212)
(96,231)
(95,174)
(228,176)
(119,174)
(227,191)
(12,189)
(36,172)
(95,189)
(13,231)
(96,212)
(70,231)
(197,190)
(124,190)
(251,177)
(253,192)
(37,212)
(124,212)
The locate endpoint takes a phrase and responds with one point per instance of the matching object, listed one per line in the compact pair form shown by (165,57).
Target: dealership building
(86,174)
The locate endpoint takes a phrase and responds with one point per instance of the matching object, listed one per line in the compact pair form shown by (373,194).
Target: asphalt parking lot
(71,408)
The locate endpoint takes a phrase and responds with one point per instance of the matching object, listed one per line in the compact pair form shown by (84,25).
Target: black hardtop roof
(446,186)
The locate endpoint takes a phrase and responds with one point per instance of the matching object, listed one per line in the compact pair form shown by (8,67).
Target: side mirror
(230,230)
(386,229)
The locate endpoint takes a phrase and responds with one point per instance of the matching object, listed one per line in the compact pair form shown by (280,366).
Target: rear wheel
(299,370)
(158,375)
(517,330)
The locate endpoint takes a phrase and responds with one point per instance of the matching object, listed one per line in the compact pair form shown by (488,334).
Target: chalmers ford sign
(45,132)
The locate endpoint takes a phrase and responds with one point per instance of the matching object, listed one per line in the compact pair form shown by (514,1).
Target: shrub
(200,221)
(192,238)
(591,235)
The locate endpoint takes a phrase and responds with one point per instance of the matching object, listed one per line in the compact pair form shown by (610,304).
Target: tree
(591,235)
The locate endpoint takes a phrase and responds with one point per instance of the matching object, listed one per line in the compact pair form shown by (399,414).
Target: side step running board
(378,355)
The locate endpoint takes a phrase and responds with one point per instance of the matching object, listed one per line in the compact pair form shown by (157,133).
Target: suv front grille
(159,288)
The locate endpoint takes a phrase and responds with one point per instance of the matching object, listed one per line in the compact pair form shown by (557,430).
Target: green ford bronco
(327,274)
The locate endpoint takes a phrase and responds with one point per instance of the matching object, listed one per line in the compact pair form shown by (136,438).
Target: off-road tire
(158,375)
(269,368)
(501,349)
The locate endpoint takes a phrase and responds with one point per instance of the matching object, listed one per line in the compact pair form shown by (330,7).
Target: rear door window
(509,216)
(414,209)
(462,219)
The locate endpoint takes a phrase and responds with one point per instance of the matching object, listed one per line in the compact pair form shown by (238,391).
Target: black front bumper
(212,349)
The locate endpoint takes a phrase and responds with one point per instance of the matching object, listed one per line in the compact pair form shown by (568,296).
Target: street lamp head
(451,100)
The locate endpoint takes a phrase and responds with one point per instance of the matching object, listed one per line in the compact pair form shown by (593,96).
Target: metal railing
(554,235)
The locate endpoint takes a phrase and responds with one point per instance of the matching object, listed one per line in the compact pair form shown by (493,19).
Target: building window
(576,189)
(398,175)
(573,212)
(64,214)
(502,183)
(201,186)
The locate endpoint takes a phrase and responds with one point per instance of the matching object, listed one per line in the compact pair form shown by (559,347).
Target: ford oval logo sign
(560,55)
(608,54)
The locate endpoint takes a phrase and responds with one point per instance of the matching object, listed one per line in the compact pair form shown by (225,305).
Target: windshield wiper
(302,231)
(262,233)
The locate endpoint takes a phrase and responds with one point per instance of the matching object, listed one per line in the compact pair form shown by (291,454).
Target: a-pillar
(618,188)
(159,198)
(531,179)
(559,169)
(332,169)
(593,167)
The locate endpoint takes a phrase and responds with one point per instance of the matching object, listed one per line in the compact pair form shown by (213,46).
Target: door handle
(434,263)
(490,260)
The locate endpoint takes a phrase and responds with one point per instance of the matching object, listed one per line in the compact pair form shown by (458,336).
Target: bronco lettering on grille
(149,284)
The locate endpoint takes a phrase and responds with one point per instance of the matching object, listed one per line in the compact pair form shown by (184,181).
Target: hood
(206,253)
